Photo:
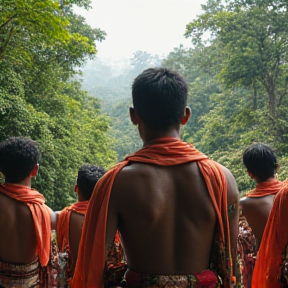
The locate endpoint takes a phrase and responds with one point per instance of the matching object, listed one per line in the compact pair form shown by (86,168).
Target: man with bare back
(70,219)
(25,220)
(261,164)
(166,205)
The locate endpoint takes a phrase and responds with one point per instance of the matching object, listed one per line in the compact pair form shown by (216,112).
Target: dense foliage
(42,44)
(238,75)
(114,89)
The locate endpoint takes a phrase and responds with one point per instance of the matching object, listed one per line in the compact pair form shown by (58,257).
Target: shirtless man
(25,221)
(261,164)
(168,201)
(71,218)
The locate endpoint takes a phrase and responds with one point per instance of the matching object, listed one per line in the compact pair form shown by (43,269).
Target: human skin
(256,211)
(165,214)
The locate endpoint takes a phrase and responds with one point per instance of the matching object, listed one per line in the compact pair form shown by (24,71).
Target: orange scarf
(63,222)
(274,241)
(166,152)
(40,213)
(266,188)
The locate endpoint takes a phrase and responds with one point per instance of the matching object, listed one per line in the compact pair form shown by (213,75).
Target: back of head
(159,98)
(88,176)
(260,160)
(18,157)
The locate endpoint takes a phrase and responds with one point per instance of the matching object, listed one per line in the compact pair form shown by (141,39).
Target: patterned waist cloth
(20,275)
(205,279)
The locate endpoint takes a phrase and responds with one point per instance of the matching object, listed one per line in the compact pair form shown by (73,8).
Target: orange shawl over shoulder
(40,213)
(265,188)
(274,241)
(63,222)
(166,152)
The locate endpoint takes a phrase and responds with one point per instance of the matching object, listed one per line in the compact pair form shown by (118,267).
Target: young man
(261,164)
(70,219)
(25,220)
(272,259)
(168,201)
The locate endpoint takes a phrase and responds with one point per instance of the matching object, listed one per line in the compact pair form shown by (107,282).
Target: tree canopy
(42,46)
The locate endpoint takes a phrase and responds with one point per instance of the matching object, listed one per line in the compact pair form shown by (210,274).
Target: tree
(39,98)
(253,37)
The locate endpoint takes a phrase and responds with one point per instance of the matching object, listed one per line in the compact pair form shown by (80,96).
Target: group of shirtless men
(166,216)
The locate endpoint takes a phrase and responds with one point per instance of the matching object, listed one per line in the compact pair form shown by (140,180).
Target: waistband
(204,279)
(19,270)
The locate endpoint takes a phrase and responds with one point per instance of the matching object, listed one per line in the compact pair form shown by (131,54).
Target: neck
(150,135)
(80,198)
(267,180)
(26,182)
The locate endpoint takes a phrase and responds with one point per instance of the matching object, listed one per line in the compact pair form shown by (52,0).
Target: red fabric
(273,243)
(205,279)
(63,222)
(80,207)
(40,213)
(266,188)
(166,152)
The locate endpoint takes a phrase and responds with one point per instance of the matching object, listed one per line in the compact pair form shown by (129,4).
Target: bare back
(256,211)
(165,216)
(18,240)
(75,230)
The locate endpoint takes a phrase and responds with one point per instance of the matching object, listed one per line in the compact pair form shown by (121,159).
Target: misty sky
(155,26)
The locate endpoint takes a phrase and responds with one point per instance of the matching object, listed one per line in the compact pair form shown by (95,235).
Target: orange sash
(266,188)
(40,213)
(166,152)
(63,222)
(274,241)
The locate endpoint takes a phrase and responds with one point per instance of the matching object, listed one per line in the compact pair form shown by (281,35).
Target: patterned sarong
(205,279)
(21,275)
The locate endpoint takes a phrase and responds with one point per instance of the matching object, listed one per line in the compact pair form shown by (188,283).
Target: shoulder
(132,172)
(230,180)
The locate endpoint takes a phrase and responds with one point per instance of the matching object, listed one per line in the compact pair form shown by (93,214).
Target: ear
(251,175)
(76,189)
(187,115)
(134,116)
(34,171)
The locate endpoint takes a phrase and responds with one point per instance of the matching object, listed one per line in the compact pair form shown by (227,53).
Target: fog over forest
(237,79)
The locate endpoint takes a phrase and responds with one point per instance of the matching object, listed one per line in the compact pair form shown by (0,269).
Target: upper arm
(233,210)
(112,218)
(54,217)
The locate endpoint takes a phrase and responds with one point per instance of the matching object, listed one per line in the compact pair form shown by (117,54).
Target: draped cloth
(90,265)
(63,222)
(266,188)
(40,214)
(246,240)
(274,240)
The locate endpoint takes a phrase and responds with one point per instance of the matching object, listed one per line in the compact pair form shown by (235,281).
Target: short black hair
(260,160)
(18,157)
(88,176)
(159,97)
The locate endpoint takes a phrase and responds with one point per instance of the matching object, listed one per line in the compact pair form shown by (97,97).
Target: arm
(233,212)
(54,217)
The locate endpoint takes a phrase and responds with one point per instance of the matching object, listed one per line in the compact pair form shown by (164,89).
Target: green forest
(52,88)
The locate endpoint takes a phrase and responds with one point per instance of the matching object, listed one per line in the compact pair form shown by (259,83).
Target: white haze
(155,26)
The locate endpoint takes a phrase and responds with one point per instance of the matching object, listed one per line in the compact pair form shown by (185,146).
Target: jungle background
(54,90)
